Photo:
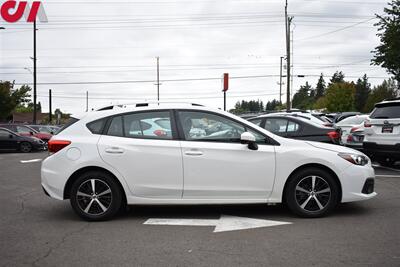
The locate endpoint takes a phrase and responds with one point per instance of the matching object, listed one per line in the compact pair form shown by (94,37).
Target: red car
(25,130)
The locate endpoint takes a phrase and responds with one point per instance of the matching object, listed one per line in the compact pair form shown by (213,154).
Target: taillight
(334,135)
(56,145)
(354,129)
(350,138)
(160,132)
(367,124)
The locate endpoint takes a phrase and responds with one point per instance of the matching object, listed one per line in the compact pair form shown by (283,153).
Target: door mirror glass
(11,136)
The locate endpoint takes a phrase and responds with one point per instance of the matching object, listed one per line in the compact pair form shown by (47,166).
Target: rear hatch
(384,124)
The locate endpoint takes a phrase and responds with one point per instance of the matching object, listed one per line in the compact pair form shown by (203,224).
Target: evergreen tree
(384,91)
(387,54)
(320,89)
(363,88)
(338,77)
(302,99)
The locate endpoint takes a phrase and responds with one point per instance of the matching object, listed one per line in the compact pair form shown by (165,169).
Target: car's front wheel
(25,147)
(95,196)
(312,192)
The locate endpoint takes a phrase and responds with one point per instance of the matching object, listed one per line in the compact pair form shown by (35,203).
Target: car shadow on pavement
(204,211)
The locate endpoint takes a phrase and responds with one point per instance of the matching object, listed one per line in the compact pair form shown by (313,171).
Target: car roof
(388,101)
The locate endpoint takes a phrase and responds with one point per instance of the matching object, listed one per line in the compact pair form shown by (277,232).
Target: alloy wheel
(313,193)
(94,197)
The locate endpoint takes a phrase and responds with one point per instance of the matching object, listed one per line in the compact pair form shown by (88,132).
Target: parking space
(38,231)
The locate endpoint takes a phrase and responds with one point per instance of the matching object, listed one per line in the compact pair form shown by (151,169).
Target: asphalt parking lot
(38,231)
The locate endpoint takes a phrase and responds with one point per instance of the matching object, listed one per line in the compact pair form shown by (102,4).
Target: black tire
(107,195)
(306,201)
(25,147)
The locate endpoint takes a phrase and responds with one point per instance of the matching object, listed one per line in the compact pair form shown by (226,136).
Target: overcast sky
(109,48)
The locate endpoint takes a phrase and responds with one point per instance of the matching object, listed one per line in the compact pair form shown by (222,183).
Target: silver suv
(382,132)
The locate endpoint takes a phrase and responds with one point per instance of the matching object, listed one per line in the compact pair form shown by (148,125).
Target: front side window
(204,126)
(147,124)
(4,134)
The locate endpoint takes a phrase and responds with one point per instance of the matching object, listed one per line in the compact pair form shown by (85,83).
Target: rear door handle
(114,150)
(193,153)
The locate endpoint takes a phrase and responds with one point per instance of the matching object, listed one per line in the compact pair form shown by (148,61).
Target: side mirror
(31,132)
(249,139)
(11,136)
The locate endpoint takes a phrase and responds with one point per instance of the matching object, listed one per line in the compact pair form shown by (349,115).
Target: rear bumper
(374,149)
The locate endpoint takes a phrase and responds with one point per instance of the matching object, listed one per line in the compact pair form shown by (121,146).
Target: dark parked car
(25,130)
(298,128)
(12,141)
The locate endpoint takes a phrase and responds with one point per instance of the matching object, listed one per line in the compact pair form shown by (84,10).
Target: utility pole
(291,76)
(87,101)
(50,114)
(280,82)
(158,78)
(287,26)
(34,72)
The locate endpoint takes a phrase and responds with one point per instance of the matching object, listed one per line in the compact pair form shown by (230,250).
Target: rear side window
(292,127)
(147,125)
(96,127)
(276,125)
(69,123)
(391,111)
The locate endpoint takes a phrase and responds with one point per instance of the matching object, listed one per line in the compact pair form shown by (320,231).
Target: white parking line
(31,160)
(390,176)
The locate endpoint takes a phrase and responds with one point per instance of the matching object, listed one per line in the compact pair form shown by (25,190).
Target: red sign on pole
(225,82)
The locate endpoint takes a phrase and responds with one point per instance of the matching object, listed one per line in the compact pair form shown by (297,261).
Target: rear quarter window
(96,127)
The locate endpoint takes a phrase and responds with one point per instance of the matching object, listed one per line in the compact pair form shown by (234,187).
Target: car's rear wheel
(25,147)
(312,192)
(95,196)
(386,162)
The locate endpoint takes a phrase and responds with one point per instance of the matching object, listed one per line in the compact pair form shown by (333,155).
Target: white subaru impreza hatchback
(166,153)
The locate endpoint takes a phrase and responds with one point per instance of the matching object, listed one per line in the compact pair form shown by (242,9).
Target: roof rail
(145,104)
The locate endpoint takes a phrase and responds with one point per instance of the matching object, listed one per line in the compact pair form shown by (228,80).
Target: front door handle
(114,150)
(193,153)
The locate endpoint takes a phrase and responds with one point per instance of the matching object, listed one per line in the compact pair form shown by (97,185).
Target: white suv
(382,132)
(106,159)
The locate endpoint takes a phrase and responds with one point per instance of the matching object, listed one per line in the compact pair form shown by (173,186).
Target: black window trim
(268,140)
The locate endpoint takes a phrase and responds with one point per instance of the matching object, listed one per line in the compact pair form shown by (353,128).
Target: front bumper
(374,149)
(354,180)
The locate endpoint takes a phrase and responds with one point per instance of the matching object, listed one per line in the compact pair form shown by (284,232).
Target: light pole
(34,72)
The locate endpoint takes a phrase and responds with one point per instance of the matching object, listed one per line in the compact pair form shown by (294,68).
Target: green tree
(384,91)
(338,77)
(363,88)
(302,99)
(387,54)
(321,87)
(10,98)
(340,97)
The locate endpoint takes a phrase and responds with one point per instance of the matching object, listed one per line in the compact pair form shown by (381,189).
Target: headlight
(354,158)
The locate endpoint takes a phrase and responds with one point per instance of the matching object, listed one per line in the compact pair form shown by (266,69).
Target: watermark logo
(13,11)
